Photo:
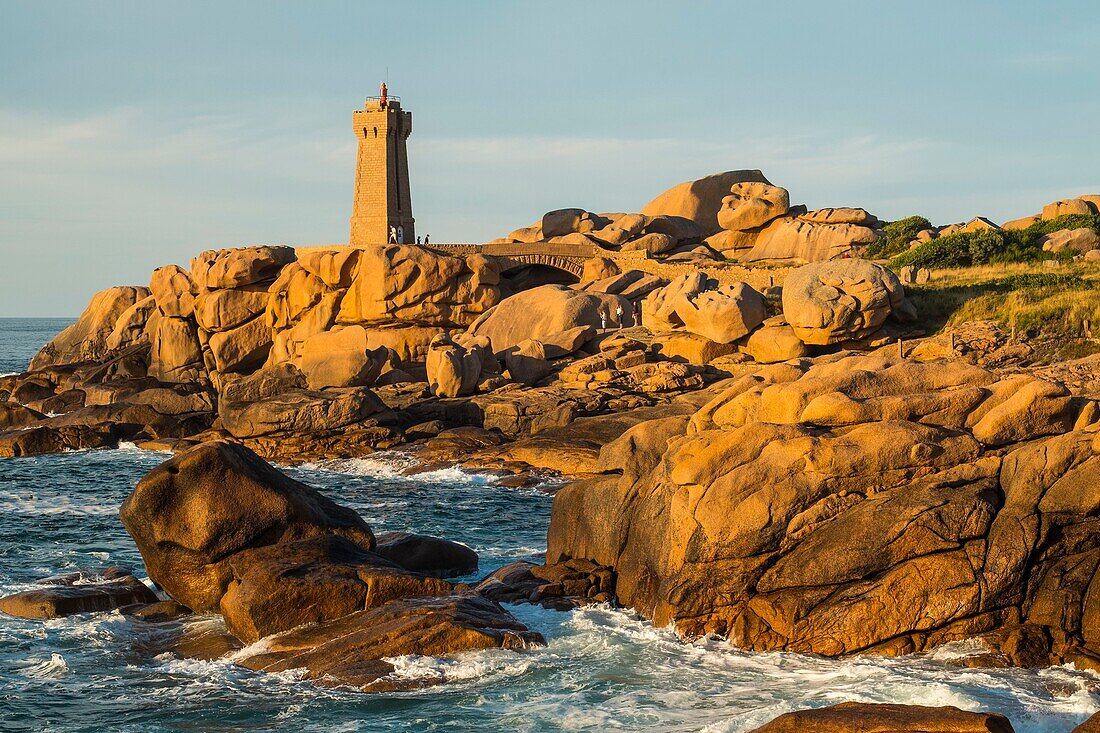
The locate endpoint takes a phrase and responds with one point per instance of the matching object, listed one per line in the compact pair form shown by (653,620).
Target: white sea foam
(393,465)
(126,446)
(471,666)
(45,669)
(28,503)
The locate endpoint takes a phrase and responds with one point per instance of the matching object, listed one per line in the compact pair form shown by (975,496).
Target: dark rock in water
(282,586)
(47,438)
(60,596)
(204,641)
(848,717)
(429,555)
(187,636)
(158,612)
(87,575)
(349,651)
(560,587)
(14,415)
(191,514)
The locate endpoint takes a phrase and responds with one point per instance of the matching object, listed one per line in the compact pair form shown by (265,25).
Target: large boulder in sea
(86,340)
(852,505)
(357,650)
(191,514)
(543,312)
(700,200)
(284,585)
(841,300)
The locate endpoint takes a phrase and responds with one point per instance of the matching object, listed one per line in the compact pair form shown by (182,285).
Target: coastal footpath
(819,457)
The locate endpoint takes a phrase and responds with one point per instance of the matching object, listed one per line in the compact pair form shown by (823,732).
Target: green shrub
(1025,245)
(898,236)
(1025,280)
(961,249)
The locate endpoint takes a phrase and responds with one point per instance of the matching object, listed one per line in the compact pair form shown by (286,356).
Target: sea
(603,668)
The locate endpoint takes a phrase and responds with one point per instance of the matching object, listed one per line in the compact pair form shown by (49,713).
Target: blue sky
(137,134)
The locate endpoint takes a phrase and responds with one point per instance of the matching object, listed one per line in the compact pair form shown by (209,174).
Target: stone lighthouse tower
(382,197)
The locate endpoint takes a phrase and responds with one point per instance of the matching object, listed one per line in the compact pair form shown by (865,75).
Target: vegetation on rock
(898,236)
(994,246)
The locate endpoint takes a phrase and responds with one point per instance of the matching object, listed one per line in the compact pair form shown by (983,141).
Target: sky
(137,134)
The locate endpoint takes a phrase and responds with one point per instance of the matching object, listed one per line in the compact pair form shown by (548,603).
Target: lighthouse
(382,206)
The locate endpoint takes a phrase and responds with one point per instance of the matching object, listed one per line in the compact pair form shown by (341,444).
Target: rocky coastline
(806,466)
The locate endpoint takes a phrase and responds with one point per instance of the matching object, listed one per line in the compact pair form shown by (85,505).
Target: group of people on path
(397,236)
(636,314)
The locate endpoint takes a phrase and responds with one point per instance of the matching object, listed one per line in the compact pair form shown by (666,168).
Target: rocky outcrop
(858,504)
(773,342)
(86,340)
(340,358)
(1079,205)
(831,302)
(220,530)
(416,286)
(794,238)
(1078,240)
(235,268)
(886,718)
(759,223)
(700,200)
(174,291)
(429,555)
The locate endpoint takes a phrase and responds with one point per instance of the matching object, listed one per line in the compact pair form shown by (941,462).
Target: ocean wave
(477,665)
(44,505)
(126,446)
(45,669)
(395,465)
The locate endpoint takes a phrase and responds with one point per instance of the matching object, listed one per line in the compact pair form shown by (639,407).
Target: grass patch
(1048,309)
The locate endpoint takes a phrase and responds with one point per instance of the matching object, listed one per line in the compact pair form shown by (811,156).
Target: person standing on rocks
(393,234)
(603,318)
(427,238)
(619,314)
(418,239)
